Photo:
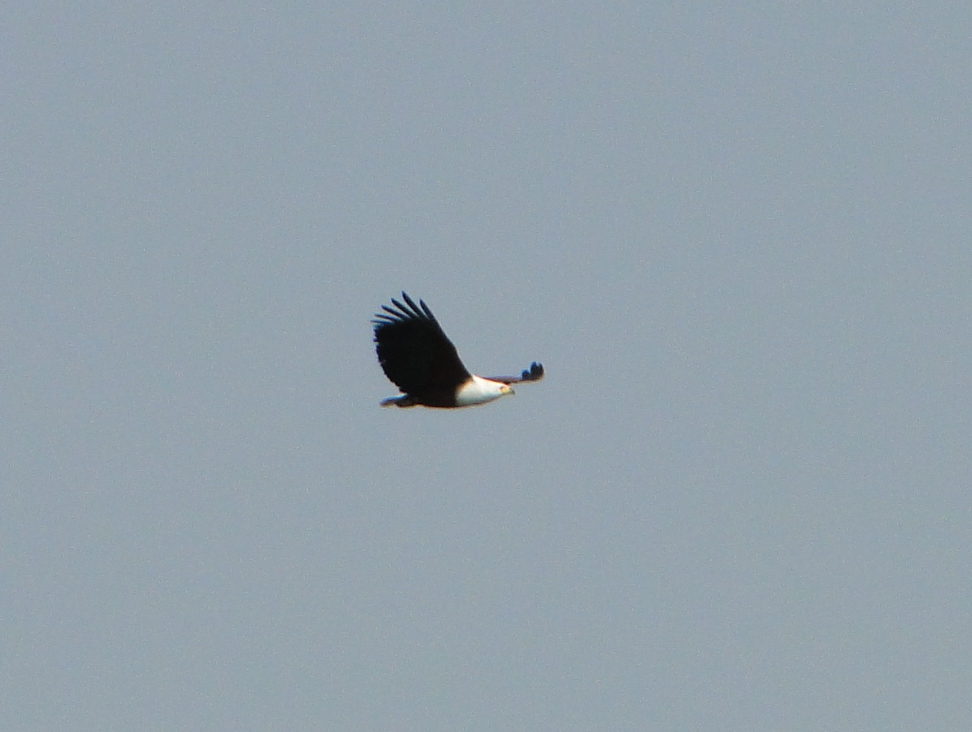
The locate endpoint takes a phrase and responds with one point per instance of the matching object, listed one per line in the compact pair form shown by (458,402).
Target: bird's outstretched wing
(413,350)
(534,373)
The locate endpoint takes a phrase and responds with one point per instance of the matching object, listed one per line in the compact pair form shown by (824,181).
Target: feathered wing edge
(412,311)
(534,373)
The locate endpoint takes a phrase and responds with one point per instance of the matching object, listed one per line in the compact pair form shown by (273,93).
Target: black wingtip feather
(402,312)
(534,373)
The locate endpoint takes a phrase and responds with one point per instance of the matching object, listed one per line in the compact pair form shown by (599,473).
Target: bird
(418,357)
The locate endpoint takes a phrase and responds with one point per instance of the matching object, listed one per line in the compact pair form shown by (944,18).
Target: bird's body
(418,357)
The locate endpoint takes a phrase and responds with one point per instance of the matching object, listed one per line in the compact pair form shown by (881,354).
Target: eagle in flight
(418,357)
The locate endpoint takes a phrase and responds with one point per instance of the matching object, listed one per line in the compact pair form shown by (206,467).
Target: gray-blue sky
(736,234)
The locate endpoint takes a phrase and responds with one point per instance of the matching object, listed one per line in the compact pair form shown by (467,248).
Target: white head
(480,391)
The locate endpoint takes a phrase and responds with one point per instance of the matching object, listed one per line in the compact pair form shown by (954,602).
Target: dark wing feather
(534,373)
(414,352)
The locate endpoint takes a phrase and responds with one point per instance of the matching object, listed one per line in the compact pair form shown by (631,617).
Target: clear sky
(736,234)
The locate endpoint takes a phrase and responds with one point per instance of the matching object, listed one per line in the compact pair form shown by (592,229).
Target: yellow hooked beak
(507,389)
